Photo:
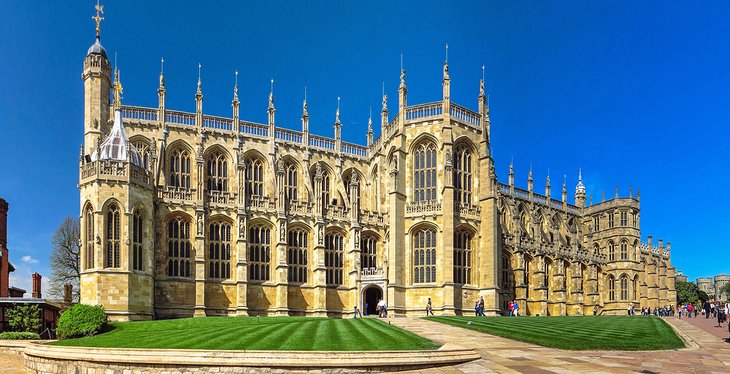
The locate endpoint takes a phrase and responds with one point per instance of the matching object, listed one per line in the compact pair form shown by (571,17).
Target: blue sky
(635,94)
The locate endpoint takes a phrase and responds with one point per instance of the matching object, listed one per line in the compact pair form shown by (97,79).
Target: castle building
(188,214)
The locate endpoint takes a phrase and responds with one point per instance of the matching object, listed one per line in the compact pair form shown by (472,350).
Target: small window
(624,219)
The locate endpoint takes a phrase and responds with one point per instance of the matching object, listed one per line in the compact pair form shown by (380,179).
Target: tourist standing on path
(429,308)
(382,309)
(516,308)
(595,310)
(689,310)
(476,308)
(357,312)
(511,308)
(720,317)
(707,309)
(481,306)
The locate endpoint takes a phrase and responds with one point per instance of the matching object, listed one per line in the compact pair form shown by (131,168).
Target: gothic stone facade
(230,217)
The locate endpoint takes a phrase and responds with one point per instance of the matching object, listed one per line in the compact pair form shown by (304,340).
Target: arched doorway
(371,297)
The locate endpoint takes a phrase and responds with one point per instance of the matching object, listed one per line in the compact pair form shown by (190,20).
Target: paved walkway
(709,325)
(500,355)
(707,354)
(11,363)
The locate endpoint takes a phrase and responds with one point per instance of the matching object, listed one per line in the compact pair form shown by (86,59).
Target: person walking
(707,309)
(476,308)
(382,309)
(429,308)
(481,306)
(511,307)
(356,312)
(516,307)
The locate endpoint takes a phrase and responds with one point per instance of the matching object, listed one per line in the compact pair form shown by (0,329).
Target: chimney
(650,242)
(3,223)
(4,265)
(67,298)
(661,243)
(36,286)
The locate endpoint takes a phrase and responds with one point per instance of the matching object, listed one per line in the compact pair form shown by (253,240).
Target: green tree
(65,259)
(702,296)
(687,292)
(25,318)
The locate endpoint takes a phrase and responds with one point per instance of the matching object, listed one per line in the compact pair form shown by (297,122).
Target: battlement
(413,114)
(526,195)
(659,250)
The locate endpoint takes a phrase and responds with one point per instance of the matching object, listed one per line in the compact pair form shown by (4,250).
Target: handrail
(354,149)
(467,116)
(138,113)
(253,129)
(287,135)
(424,110)
(214,122)
(321,142)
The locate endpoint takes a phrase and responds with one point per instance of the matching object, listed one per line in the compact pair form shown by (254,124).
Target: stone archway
(370,298)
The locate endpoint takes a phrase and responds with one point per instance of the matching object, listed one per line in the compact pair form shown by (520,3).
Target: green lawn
(249,333)
(577,333)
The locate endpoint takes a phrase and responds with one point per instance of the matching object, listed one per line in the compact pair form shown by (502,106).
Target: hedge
(12,335)
(81,320)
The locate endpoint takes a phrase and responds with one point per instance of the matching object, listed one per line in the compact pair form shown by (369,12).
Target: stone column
(281,272)
(396,242)
(445,251)
(200,263)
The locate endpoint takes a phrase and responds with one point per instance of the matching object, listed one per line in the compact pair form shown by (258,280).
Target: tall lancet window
(137,234)
(178,247)
(463,175)
(424,172)
(291,181)
(217,172)
(89,218)
(180,169)
(143,149)
(368,252)
(112,236)
(219,250)
(254,177)
(462,256)
(424,256)
(334,248)
(326,188)
(259,253)
(348,180)
(296,259)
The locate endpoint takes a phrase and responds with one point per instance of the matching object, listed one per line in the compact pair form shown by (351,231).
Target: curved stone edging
(43,358)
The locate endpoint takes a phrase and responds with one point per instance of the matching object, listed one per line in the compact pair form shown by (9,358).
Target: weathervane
(98,18)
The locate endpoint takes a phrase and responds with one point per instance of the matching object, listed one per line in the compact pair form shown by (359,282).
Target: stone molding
(44,358)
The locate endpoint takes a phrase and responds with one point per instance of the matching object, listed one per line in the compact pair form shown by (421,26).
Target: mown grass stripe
(578,333)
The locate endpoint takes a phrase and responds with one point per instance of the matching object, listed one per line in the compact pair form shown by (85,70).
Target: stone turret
(580,191)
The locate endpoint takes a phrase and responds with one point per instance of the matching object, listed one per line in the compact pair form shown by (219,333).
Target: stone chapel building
(189,214)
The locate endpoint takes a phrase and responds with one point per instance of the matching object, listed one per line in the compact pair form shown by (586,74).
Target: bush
(81,320)
(24,317)
(19,336)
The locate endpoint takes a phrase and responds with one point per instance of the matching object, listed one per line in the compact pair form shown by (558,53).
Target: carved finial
(481,84)
(162,72)
(337,114)
(271,95)
(447,54)
(370,121)
(305,112)
(235,87)
(98,18)
(199,81)
(117,87)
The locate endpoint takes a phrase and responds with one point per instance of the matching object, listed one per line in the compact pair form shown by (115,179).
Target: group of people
(719,311)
